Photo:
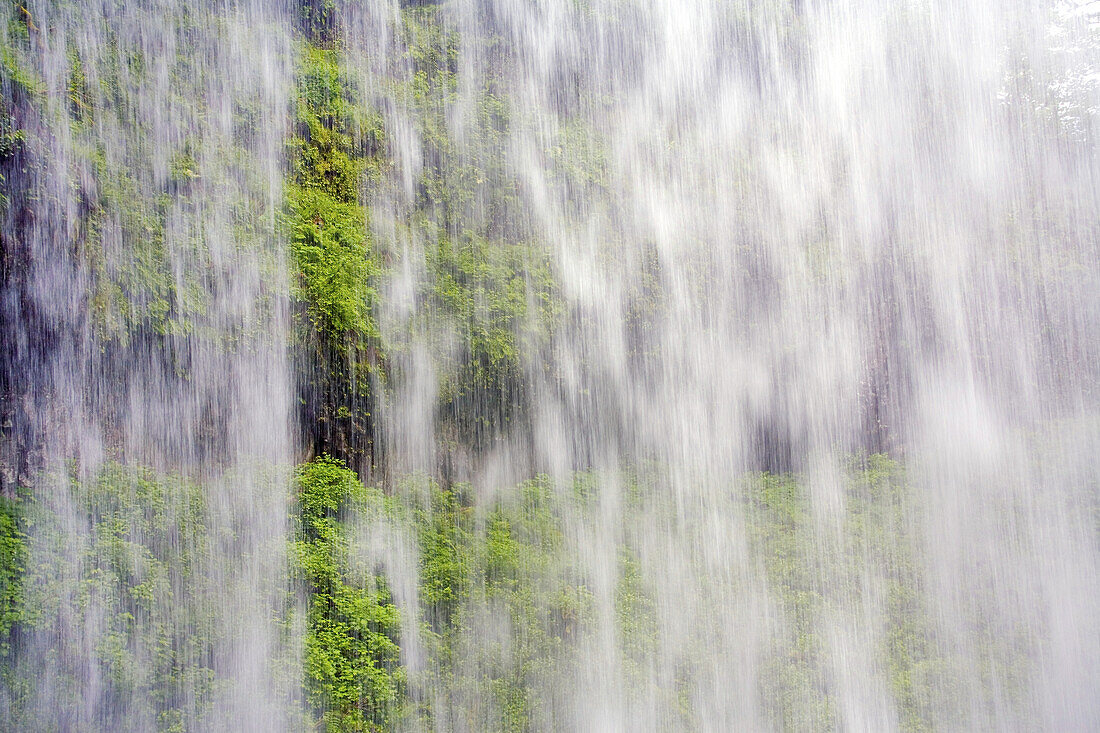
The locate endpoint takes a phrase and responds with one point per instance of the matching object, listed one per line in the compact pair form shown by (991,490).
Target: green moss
(138,229)
(20,74)
(781,534)
(811,580)
(80,94)
(508,562)
(489,285)
(135,288)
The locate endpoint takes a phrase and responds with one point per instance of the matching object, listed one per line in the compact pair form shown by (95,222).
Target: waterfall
(475,365)
(145,317)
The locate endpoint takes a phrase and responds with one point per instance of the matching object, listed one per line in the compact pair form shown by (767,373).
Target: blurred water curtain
(549,365)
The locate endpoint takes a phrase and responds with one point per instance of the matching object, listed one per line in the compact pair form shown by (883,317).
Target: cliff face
(146,378)
(560,366)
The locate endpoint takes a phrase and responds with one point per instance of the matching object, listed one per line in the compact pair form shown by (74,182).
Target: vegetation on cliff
(335,141)
(416,600)
(354,681)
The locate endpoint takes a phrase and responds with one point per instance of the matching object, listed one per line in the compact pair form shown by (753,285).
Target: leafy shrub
(353,678)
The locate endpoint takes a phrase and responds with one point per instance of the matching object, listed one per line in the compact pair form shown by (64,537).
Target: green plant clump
(353,678)
(507,568)
(489,299)
(13,558)
(334,264)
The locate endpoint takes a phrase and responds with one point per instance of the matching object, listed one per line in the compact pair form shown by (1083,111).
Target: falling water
(144,333)
(741,356)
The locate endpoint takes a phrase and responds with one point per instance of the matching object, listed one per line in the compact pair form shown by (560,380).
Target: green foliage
(10,138)
(334,263)
(812,579)
(353,681)
(505,568)
(17,71)
(507,605)
(140,216)
(19,85)
(137,583)
(327,222)
(489,300)
(496,296)
(793,684)
(13,558)
(136,289)
(489,285)
(317,20)
(635,620)
(328,248)
(445,551)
